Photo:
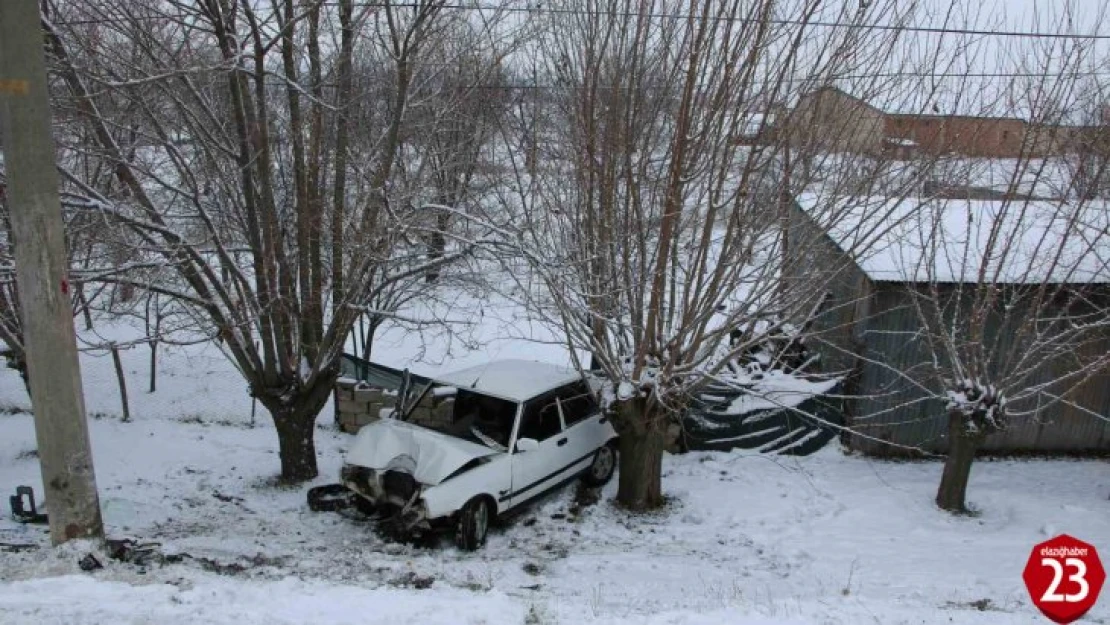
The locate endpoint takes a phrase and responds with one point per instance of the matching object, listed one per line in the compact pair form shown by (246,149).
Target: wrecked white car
(478,443)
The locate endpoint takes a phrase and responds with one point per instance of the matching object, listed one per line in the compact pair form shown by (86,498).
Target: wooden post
(61,430)
(122,382)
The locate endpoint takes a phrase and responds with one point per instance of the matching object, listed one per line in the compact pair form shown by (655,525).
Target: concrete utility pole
(41,269)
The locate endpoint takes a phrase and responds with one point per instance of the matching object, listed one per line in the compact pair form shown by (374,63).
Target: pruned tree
(1010,293)
(1014,317)
(652,232)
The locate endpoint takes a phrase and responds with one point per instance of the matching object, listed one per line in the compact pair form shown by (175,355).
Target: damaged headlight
(398,480)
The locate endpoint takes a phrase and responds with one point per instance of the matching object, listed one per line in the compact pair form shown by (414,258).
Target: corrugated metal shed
(871,329)
(892,406)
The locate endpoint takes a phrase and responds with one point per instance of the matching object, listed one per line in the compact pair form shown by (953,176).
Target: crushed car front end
(391,493)
(415,477)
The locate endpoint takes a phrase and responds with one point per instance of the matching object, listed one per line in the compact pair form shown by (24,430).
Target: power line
(540,10)
(123,20)
(888,75)
(937,30)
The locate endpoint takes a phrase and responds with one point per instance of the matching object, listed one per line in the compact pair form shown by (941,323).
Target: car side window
(541,419)
(577,403)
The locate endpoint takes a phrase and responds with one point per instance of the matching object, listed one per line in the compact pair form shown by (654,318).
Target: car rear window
(541,419)
(577,403)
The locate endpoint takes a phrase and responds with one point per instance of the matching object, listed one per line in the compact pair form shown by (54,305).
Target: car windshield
(465,414)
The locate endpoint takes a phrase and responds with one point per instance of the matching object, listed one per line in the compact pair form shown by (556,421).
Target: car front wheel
(601,469)
(474,522)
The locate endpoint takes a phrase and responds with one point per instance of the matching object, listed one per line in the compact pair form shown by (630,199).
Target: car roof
(515,380)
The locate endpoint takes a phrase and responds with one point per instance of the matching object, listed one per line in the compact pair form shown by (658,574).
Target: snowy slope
(747,539)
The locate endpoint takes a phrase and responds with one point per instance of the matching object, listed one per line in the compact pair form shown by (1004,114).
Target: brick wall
(986,137)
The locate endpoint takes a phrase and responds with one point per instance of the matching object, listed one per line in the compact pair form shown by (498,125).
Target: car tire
(601,469)
(473,526)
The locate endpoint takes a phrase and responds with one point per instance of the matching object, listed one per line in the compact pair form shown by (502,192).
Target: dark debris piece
(89,563)
(411,579)
(23,506)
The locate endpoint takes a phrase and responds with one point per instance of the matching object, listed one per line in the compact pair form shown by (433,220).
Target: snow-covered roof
(942,240)
(516,380)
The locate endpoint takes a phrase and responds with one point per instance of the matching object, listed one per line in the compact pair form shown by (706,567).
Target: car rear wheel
(601,469)
(474,522)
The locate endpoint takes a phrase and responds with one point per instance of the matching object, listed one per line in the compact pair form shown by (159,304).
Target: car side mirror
(527,444)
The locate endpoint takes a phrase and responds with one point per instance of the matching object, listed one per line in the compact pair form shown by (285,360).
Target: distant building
(756,129)
(830,119)
(983,137)
(900,148)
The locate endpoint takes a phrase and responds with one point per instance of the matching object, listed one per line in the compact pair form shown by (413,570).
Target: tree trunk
(437,245)
(957,468)
(122,383)
(83,302)
(368,339)
(295,421)
(153,366)
(296,443)
(640,484)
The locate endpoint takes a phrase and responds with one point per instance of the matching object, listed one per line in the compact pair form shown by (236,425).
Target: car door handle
(561,442)
(603,420)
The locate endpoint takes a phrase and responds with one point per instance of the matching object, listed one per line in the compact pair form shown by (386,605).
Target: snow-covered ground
(747,539)
(828,538)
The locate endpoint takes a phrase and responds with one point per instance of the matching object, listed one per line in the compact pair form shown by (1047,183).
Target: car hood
(437,455)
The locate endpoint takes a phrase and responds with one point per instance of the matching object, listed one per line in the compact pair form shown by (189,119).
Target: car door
(537,470)
(582,423)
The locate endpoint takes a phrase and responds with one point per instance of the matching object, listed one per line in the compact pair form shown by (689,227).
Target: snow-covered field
(746,539)
(828,538)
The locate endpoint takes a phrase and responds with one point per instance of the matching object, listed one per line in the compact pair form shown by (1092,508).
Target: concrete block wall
(357,404)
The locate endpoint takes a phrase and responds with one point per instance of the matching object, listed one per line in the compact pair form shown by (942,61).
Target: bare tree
(1013,317)
(652,231)
(247,179)
(1089,144)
